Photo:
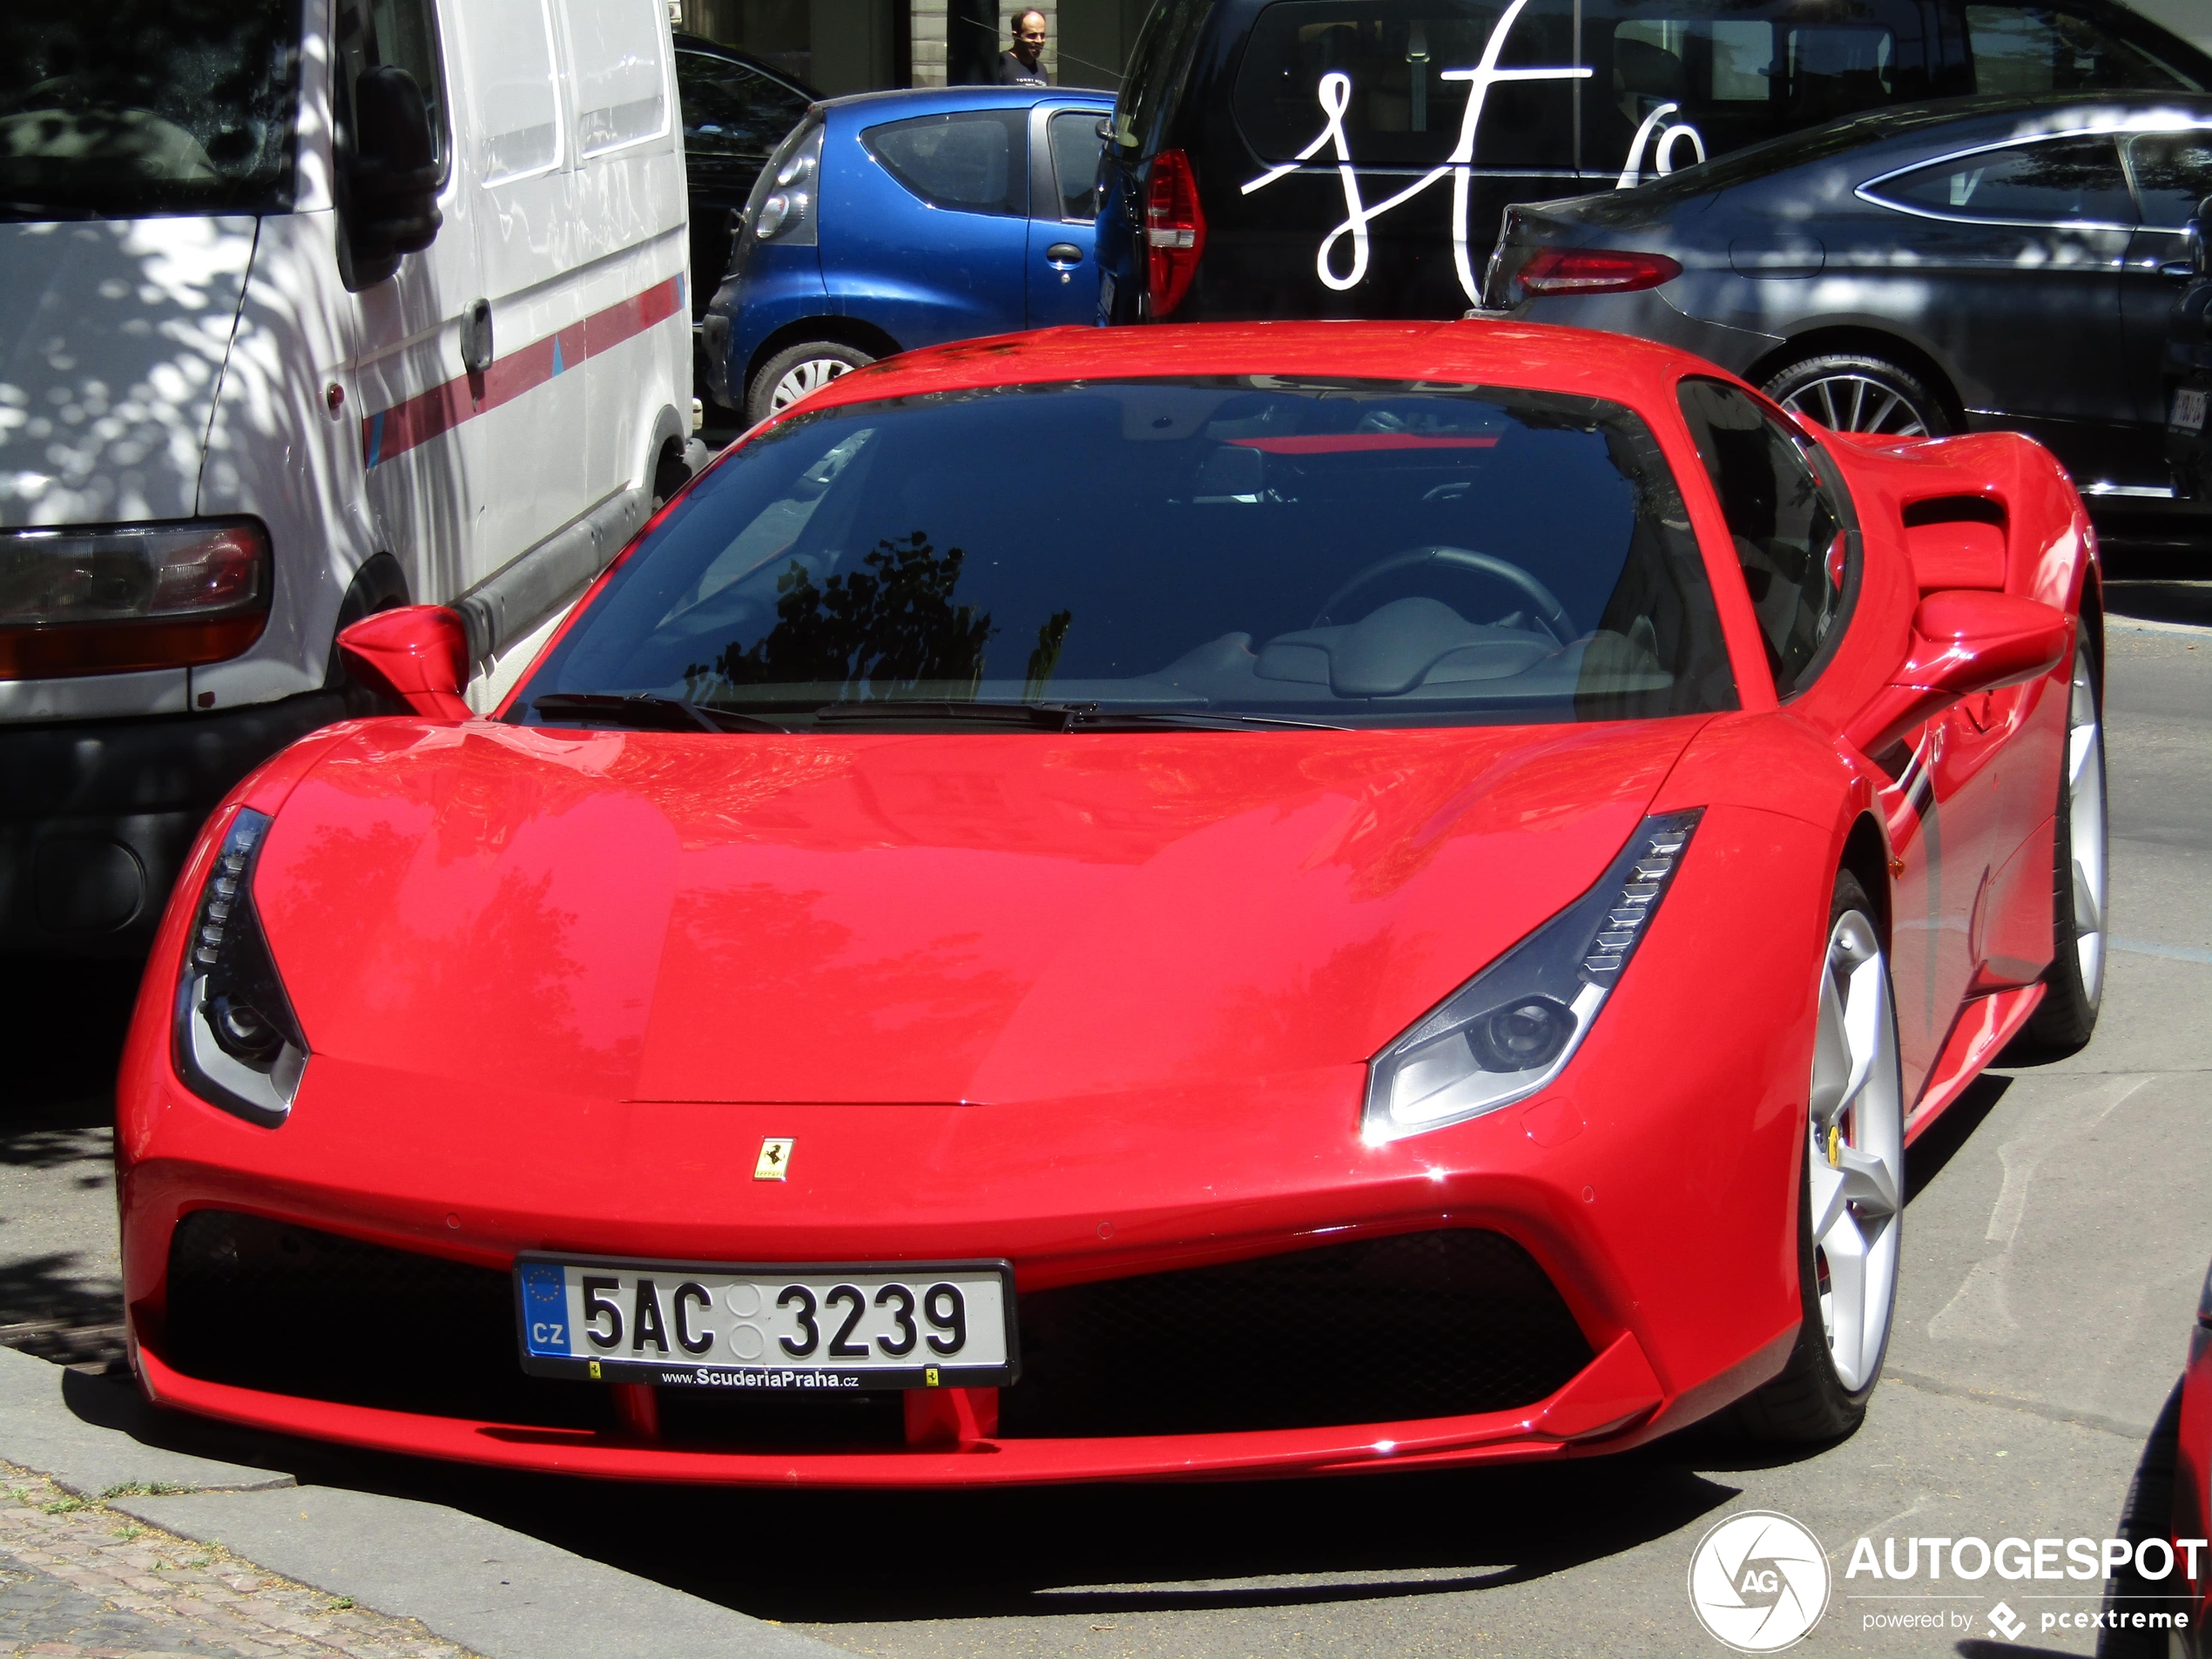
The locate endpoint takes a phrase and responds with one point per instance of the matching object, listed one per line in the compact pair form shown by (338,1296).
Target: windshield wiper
(644,712)
(1098,719)
(1045,717)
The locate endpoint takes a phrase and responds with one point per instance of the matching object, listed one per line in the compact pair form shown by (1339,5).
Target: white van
(307,307)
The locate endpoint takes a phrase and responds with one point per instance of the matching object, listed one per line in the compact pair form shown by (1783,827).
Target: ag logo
(1758,1582)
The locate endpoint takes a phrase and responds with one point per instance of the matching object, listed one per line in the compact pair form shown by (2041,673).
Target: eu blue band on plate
(545,1308)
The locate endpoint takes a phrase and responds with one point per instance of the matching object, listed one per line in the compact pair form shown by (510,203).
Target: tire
(790,374)
(2074,985)
(1851,392)
(1855,1176)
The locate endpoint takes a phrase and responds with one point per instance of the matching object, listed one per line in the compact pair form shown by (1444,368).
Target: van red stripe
(426,414)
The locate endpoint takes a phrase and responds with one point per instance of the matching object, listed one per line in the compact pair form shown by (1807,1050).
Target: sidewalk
(80,1578)
(124,1531)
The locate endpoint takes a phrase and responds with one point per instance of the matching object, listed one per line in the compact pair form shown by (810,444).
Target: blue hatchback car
(895,220)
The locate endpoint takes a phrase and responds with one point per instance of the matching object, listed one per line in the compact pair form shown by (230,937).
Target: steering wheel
(1549,610)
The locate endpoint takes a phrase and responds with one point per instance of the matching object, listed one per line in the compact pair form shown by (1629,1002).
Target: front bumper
(1655,1200)
(98,815)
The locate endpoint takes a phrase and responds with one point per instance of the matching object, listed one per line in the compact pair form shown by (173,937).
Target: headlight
(125,597)
(238,1043)
(1513,1028)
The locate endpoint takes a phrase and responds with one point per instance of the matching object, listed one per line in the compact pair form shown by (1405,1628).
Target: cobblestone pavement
(80,1580)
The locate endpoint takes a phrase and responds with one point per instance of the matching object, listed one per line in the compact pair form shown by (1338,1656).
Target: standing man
(1024,66)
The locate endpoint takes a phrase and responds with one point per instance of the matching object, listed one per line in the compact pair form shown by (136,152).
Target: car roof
(937,100)
(1529,356)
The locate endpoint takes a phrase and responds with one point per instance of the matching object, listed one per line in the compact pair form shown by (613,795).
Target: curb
(498,1593)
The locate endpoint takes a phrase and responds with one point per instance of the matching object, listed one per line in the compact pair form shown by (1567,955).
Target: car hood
(918,918)
(113,335)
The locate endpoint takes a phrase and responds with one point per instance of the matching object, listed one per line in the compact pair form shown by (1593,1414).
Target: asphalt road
(2059,1227)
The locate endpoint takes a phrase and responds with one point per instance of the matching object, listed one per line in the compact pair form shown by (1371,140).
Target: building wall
(936,24)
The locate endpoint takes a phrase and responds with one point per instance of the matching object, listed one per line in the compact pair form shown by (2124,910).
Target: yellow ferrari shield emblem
(775,1158)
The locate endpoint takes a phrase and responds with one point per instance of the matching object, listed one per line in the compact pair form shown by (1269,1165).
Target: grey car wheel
(1846,391)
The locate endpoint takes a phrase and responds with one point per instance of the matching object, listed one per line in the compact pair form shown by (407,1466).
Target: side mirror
(1963,643)
(2200,258)
(390,181)
(417,653)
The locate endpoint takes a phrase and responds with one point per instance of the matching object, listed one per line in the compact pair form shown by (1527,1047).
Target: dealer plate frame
(741,1378)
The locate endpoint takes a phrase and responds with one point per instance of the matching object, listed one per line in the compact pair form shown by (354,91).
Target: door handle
(1063,254)
(475,337)
(2178,268)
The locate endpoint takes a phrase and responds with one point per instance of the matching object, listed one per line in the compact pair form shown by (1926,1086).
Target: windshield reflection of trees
(882,630)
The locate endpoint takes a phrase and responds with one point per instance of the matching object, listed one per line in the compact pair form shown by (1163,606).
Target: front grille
(1421,1325)
(292,1310)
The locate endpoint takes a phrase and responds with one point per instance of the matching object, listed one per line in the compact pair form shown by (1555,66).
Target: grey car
(1961,264)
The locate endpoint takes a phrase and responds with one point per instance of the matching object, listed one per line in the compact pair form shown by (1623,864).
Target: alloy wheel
(802,378)
(1855,1179)
(2085,811)
(1850,402)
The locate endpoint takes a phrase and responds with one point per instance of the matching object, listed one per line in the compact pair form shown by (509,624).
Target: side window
(976,161)
(1787,523)
(401,34)
(2042,49)
(621,95)
(510,64)
(2058,181)
(2173,174)
(1075,163)
(730,110)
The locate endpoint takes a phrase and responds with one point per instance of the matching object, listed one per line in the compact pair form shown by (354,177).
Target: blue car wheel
(792,373)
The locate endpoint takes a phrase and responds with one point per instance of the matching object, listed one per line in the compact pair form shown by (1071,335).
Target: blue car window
(972,161)
(2058,181)
(2173,175)
(1075,145)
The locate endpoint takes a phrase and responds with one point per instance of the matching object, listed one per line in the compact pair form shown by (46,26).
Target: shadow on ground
(62,1026)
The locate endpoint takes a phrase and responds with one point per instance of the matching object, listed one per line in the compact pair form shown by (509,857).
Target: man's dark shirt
(1014,72)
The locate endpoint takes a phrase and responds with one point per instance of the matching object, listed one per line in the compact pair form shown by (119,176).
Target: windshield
(1353,553)
(145,107)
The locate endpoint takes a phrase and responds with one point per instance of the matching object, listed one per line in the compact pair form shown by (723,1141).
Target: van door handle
(2178,268)
(475,337)
(1063,254)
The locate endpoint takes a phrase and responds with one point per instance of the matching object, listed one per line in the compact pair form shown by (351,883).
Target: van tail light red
(1593,270)
(119,598)
(1175,231)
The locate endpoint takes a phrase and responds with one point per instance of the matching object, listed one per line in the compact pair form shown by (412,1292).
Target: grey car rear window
(2057,181)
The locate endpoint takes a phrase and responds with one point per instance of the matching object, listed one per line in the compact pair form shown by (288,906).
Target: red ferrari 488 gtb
(1165,902)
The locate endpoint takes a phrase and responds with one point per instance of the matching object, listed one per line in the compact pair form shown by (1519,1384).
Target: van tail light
(1593,270)
(1175,232)
(127,596)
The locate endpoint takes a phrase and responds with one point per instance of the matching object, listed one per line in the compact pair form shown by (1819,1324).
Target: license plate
(690,1325)
(2188,410)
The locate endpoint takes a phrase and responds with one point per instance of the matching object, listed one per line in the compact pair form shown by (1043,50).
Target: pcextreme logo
(1758,1582)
